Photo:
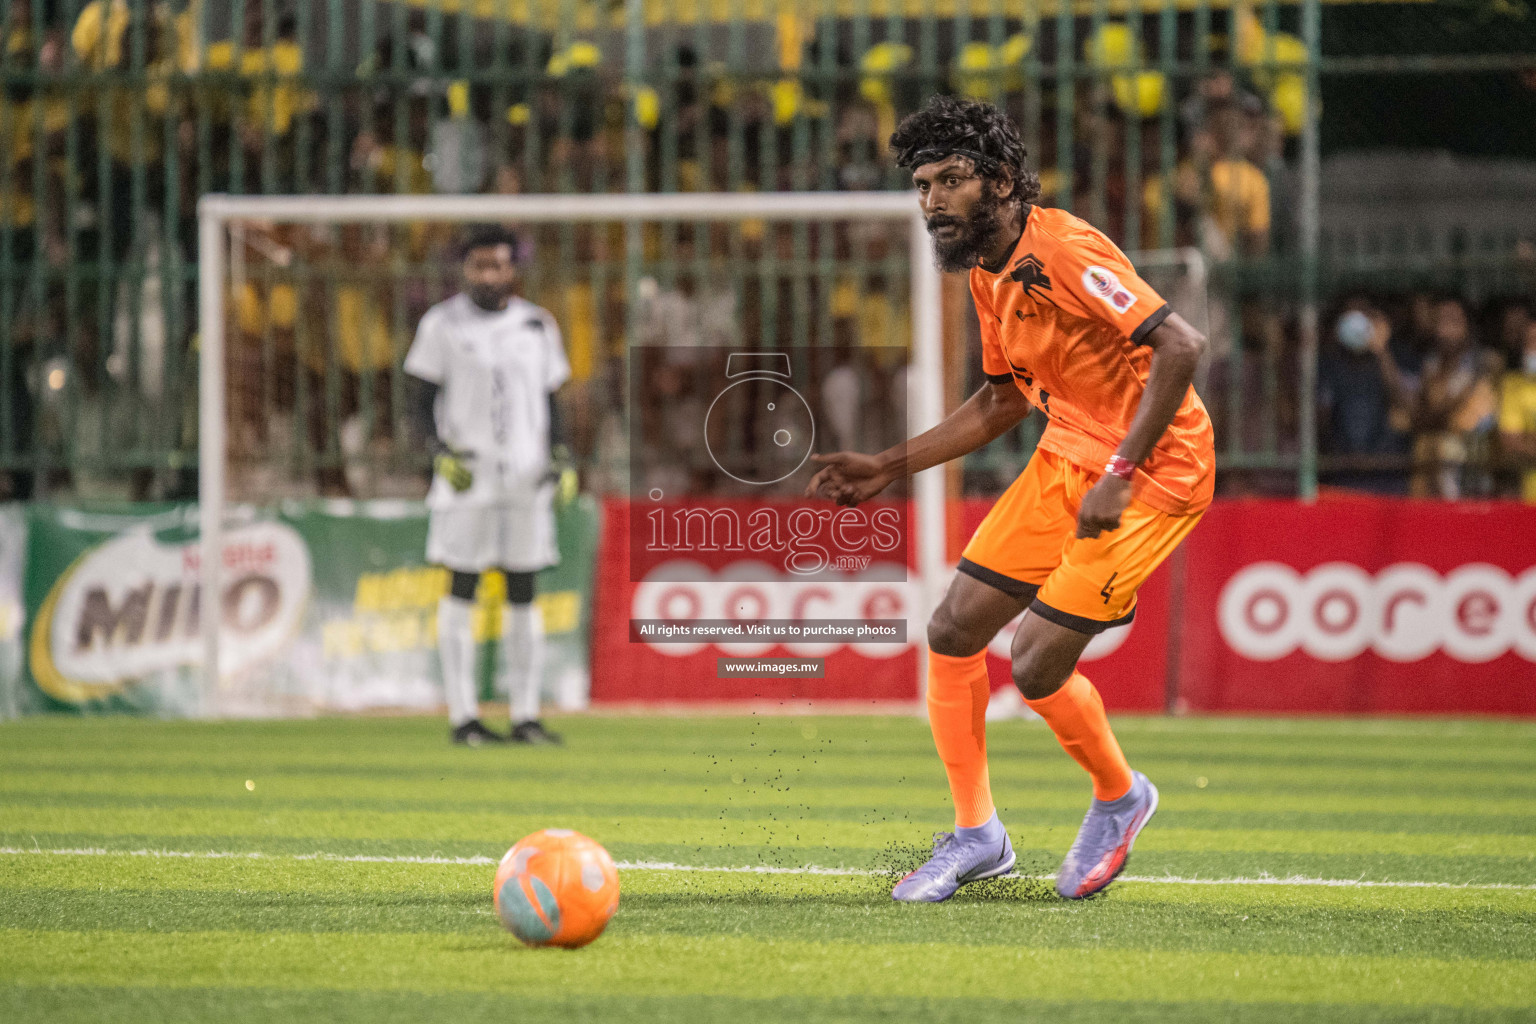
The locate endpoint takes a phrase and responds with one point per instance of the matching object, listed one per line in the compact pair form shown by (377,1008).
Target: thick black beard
(964,251)
(491,303)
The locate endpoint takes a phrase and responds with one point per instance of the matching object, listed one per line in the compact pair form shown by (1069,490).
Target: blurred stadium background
(1343,195)
(1286,171)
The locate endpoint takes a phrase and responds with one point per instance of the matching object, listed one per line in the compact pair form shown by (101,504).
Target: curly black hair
(980,131)
(487,236)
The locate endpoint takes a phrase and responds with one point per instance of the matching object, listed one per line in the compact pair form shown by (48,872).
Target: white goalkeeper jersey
(496,371)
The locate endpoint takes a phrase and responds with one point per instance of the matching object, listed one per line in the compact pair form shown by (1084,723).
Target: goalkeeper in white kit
(489,363)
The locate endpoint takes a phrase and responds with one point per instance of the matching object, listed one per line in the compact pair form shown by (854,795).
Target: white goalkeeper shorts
(519,537)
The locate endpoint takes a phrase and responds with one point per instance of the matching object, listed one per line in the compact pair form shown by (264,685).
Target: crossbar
(680,206)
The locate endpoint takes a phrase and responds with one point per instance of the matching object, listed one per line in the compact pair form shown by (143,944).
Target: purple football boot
(1105,839)
(964,855)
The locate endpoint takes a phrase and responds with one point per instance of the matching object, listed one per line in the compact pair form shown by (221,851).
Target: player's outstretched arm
(1176,349)
(849,478)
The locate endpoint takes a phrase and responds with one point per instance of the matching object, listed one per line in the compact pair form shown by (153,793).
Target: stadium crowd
(1424,377)
(116,118)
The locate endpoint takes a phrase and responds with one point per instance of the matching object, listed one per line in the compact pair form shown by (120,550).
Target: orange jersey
(1064,320)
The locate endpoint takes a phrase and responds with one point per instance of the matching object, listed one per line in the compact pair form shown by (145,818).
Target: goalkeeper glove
(454,467)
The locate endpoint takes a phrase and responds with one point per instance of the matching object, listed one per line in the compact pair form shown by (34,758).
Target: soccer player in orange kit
(1124,470)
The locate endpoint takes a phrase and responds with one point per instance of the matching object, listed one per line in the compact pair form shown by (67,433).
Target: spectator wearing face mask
(1453,416)
(1363,403)
(1517,415)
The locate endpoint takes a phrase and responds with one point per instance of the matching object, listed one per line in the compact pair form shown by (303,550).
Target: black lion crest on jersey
(1030,273)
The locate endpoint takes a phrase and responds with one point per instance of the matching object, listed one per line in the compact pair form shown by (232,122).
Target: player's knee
(949,637)
(1037,671)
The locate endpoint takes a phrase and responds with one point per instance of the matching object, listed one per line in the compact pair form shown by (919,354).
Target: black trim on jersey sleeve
(422,404)
(557,436)
(1000,378)
(1077,623)
(997,581)
(1150,324)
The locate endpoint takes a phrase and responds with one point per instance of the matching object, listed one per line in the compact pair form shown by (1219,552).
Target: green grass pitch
(131,886)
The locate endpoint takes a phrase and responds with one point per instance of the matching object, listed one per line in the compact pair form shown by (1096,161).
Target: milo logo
(132,608)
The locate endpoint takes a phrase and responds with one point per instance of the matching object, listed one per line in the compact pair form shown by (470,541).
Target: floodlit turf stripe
(60,1005)
(831,793)
(652,964)
(1237,809)
(301,779)
(265,818)
(745,848)
(746,869)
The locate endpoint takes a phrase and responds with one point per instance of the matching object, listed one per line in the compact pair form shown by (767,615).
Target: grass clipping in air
(1025,883)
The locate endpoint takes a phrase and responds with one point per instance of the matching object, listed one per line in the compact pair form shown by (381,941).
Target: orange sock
(958,690)
(1075,714)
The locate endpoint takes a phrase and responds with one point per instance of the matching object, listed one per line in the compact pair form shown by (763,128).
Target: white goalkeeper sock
(522,658)
(456,648)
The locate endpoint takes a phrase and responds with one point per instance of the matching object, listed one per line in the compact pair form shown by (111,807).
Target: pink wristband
(1120,466)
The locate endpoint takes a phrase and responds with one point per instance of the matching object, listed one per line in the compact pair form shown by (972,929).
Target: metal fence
(1169,124)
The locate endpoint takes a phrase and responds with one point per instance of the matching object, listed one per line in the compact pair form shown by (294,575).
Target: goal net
(715,341)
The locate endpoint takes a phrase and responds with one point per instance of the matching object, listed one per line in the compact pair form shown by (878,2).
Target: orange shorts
(1028,546)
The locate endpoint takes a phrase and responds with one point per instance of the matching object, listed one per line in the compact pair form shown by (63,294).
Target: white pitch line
(1335,883)
(359,858)
(748,869)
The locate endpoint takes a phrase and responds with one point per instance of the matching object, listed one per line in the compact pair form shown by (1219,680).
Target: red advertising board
(1361,605)
(1346,606)
(629,672)
(1128,665)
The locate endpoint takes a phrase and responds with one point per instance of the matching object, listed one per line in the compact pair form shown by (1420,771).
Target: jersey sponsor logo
(1106,285)
(1030,273)
(1404,613)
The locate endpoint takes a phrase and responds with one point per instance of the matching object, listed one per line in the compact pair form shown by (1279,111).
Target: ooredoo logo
(682,590)
(1405,612)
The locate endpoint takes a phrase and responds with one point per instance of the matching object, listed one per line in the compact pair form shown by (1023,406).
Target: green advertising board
(13,553)
(327,606)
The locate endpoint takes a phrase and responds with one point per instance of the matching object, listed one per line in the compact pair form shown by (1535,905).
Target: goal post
(217,214)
